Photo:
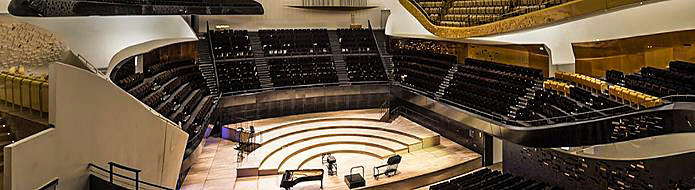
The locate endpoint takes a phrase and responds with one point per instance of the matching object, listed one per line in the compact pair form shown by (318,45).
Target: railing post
(111,173)
(137,180)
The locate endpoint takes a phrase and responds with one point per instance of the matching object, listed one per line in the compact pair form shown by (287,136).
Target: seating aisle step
(205,65)
(262,66)
(338,59)
(445,84)
(204,55)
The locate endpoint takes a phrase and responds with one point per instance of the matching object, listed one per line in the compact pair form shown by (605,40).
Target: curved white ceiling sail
(100,39)
(639,20)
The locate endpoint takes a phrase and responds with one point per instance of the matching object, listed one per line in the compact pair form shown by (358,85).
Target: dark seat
(389,169)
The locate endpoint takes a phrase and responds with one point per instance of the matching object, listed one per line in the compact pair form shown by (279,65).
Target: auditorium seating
(422,64)
(466,13)
(513,94)
(365,68)
(491,87)
(24,91)
(124,70)
(288,42)
(238,76)
(489,179)
(421,73)
(176,91)
(586,82)
(231,44)
(356,41)
(677,80)
(302,71)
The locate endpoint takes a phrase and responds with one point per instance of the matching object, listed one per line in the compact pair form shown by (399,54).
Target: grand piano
(292,177)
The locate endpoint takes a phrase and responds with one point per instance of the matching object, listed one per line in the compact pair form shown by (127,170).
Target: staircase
(339,61)
(262,66)
(523,101)
(206,67)
(388,65)
(204,51)
(446,83)
(386,57)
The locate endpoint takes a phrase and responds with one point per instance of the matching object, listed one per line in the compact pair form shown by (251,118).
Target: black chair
(389,169)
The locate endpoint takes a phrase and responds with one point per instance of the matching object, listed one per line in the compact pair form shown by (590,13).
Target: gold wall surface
(529,20)
(629,55)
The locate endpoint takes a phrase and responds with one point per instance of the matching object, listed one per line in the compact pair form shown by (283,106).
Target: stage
(300,139)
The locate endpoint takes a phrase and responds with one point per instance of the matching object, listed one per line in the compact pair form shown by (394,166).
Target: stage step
(265,125)
(381,148)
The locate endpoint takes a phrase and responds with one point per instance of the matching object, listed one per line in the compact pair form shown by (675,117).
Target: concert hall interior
(347,94)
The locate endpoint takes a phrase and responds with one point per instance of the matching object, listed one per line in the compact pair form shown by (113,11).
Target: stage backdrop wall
(305,100)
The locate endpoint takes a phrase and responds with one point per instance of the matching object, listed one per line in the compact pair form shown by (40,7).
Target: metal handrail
(603,110)
(378,49)
(494,117)
(111,174)
(212,57)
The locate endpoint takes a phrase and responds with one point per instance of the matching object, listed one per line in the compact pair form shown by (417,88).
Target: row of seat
(175,90)
(287,42)
(356,41)
(131,81)
(488,88)
(420,72)
(302,71)
(582,81)
(159,67)
(163,92)
(658,82)
(682,67)
(365,68)
(634,98)
(231,44)
(466,13)
(24,91)
(236,76)
(489,179)
(519,70)
(560,87)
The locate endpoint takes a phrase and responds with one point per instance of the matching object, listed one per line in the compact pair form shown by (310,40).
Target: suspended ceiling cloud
(56,8)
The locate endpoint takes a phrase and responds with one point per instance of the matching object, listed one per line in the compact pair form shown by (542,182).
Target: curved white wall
(99,38)
(647,19)
(95,122)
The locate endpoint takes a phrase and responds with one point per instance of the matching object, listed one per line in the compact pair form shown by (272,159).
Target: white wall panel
(96,122)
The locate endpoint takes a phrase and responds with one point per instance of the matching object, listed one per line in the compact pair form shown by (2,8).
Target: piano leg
(321,183)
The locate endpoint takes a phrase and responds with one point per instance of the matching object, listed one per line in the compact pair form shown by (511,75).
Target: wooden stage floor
(216,168)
